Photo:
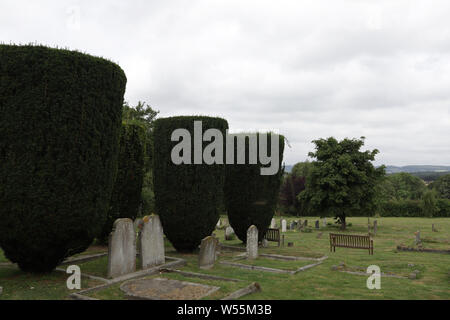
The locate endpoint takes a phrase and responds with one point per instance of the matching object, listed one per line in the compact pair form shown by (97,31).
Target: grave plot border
(442,251)
(267,269)
(251,288)
(138,297)
(176,262)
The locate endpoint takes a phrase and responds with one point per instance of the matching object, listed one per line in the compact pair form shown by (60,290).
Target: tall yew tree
(60,117)
(342,182)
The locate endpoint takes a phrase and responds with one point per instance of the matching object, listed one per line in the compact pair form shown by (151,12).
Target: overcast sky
(309,69)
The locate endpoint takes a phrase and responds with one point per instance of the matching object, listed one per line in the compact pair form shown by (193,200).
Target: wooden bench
(273,235)
(351,241)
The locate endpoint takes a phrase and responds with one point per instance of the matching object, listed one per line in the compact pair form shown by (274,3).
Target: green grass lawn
(319,282)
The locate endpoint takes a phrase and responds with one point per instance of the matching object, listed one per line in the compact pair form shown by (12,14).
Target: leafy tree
(144,115)
(291,187)
(302,169)
(343,180)
(126,195)
(403,186)
(442,187)
(429,204)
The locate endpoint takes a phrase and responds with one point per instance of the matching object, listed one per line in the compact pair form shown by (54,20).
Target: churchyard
(332,275)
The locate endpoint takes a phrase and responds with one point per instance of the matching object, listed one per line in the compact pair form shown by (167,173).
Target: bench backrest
(272,234)
(350,240)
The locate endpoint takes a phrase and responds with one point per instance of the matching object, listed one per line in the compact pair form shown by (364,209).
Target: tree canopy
(343,179)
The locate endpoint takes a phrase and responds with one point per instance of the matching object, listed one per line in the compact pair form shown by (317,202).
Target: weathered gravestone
(417,241)
(252,242)
(229,233)
(324,222)
(305,224)
(283,225)
(433,228)
(122,248)
(152,243)
(317,224)
(375,227)
(207,255)
(264,243)
(138,224)
(273,223)
(293,225)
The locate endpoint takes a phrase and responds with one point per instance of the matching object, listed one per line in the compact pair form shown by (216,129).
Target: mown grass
(319,282)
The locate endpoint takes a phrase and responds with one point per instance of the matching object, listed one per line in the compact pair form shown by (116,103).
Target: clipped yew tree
(60,117)
(250,196)
(187,194)
(126,194)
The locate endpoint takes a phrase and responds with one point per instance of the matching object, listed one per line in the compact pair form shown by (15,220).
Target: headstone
(290,244)
(417,237)
(299,225)
(138,224)
(252,242)
(306,223)
(218,224)
(122,248)
(229,233)
(207,255)
(265,243)
(273,223)
(292,226)
(282,240)
(152,243)
(324,222)
(433,228)
(375,227)
(283,225)
(319,235)
(317,224)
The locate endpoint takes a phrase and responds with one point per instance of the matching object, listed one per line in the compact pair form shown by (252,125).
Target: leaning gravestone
(122,248)
(292,226)
(273,224)
(417,237)
(283,225)
(252,242)
(152,243)
(229,233)
(138,224)
(317,224)
(207,255)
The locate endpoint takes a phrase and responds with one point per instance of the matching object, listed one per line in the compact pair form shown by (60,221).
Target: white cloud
(311,69)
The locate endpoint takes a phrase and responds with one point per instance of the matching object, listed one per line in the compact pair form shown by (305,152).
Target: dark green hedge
(60,116)
(186,195)
(413,208)
(126,195)
(251,198)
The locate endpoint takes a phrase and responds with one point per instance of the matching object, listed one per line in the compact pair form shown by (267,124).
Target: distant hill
(410,169)
(417,168)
